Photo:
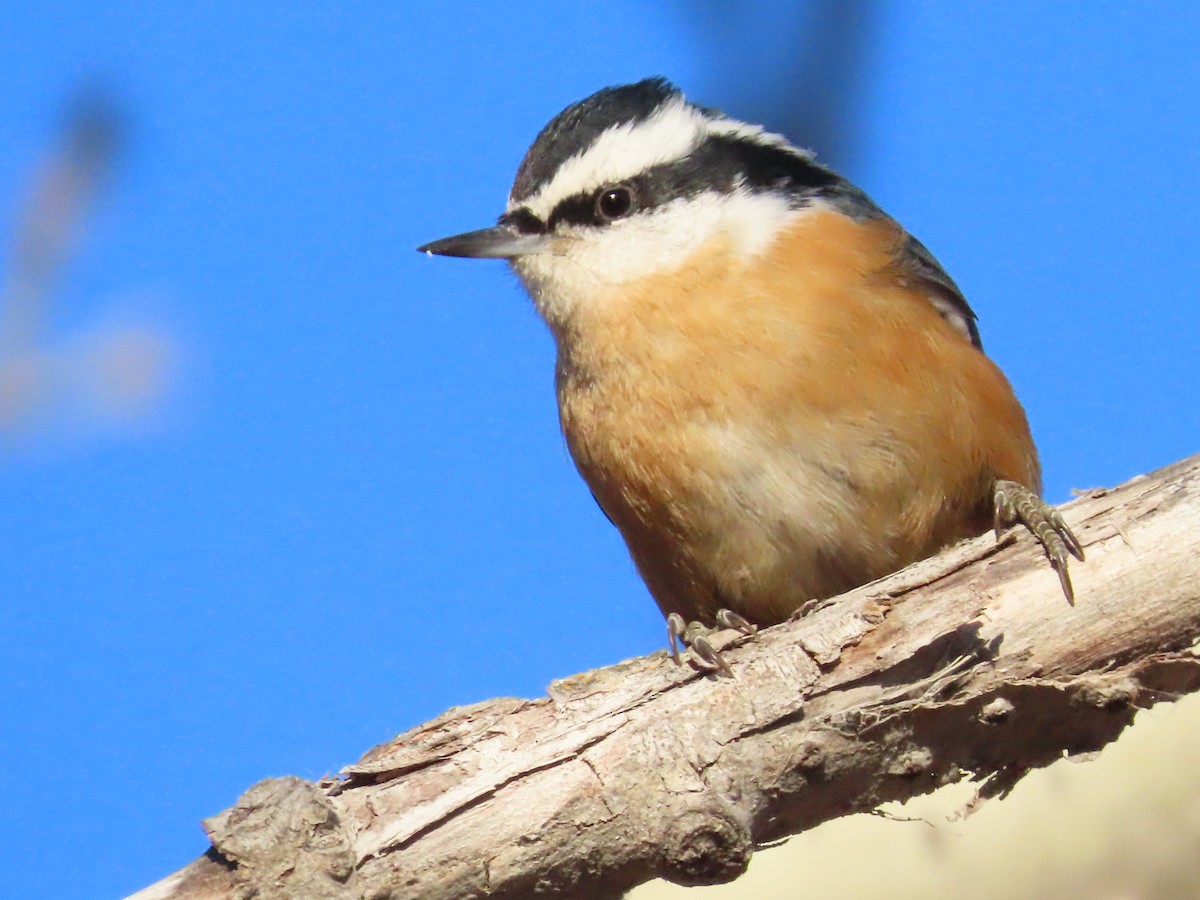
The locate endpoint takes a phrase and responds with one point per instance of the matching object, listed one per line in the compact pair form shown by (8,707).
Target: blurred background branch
(103,375)
(800,69)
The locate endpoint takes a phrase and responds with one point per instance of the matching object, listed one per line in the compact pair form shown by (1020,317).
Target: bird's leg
(694,637)
(1017,503)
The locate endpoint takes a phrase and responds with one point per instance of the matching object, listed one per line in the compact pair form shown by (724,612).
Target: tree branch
(966,665)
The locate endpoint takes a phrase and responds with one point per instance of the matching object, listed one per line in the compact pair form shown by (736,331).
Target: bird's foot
(1017,503)
(694,638)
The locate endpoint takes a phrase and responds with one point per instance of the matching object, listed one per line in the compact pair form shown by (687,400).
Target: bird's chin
(557,287)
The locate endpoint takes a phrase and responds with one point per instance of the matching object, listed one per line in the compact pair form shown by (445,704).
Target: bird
(773,391)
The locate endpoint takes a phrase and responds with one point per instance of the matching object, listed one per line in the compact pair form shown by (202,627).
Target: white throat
(581,265)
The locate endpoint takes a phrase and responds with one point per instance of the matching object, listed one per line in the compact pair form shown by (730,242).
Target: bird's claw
(727,618)
(1016,503)
(693,637)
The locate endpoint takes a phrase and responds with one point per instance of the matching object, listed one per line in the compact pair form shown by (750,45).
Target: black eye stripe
(524,221)
(721,163)
(579,209)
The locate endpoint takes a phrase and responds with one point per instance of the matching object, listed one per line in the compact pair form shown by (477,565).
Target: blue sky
(344,504)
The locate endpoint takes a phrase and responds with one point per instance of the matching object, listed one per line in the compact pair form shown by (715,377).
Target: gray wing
(943,293)
(912,256)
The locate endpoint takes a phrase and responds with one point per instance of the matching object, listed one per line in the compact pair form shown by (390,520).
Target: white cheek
(558,287)
(582,264)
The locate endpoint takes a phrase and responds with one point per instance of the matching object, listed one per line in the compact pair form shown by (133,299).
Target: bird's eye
(614,203)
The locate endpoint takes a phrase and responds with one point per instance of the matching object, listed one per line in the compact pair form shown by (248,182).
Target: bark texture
(967,665)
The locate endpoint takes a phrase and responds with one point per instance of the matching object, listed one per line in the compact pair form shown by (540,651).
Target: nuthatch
(773,390)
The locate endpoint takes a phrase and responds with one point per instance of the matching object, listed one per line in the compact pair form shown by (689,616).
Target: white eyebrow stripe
(755,133)
(626,150)
(622,152)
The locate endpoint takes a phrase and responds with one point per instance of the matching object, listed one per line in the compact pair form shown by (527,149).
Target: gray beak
(498,242)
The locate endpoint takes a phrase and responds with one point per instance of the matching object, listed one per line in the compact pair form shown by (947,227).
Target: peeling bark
(966,665)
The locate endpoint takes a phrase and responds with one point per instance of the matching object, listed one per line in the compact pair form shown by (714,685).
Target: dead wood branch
(967,665)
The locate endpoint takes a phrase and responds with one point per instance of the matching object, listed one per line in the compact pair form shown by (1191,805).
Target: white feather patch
(755,133)
(622,152)
(625,150)
(580,264)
